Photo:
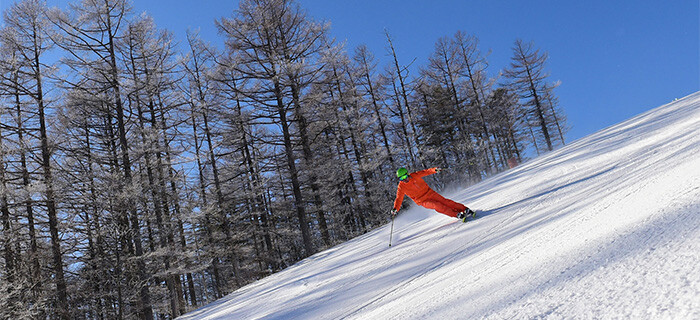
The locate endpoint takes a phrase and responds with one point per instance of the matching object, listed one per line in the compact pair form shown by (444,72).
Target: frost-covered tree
(369,87)
(478,87)
(90,33)
(508,126)
(276,47)
(25,39)
(454,87)
(527,77)
(201,99)
(150,91)
(396,78)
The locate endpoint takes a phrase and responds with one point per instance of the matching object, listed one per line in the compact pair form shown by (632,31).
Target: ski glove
(394,212)
(438,170)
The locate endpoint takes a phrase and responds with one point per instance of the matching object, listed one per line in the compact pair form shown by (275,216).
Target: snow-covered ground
(606,227)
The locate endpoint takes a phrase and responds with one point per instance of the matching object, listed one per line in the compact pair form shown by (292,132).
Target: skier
(413,186)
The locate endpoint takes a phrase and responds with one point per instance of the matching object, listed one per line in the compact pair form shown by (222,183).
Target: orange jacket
(414,187)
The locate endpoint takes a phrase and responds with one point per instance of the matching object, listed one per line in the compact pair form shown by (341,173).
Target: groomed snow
(606,227)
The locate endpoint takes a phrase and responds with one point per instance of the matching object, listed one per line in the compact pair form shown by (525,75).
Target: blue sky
(615,59)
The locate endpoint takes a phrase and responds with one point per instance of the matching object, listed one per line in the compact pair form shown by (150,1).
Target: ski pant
(435,201)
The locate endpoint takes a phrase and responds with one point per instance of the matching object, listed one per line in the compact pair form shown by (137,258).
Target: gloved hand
(438,169)
(394,212)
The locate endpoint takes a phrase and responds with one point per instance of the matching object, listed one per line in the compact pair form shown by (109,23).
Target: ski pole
(391,234)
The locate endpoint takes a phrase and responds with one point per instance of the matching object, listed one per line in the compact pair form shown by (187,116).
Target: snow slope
(606,227)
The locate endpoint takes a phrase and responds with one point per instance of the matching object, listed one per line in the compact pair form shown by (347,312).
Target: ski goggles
(403,177)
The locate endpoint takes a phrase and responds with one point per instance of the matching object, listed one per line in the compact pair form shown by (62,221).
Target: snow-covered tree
(276,47)
(25,40)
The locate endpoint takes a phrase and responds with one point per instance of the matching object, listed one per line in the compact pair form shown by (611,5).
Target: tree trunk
(375,105)
(208,225)
(357,152)
(294,173)
(219,282)
(5,239)
(146,311)
(163,177)
(308,158)
(404,94)
(404,124)
(539,109)
(254,176)
(62,295)
(35,268)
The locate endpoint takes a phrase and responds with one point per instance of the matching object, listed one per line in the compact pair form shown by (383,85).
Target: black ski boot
(466,214)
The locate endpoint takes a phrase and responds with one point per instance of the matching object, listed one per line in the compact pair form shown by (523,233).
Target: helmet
(401,173)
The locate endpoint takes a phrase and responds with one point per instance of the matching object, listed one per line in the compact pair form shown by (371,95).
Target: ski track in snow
(606,227)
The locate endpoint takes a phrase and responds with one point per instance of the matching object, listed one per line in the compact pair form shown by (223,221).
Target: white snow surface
(606,227)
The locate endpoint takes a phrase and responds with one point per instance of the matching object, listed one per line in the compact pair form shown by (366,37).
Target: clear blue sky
(615,59)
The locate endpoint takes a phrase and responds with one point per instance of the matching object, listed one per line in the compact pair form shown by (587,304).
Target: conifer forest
(142,177)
